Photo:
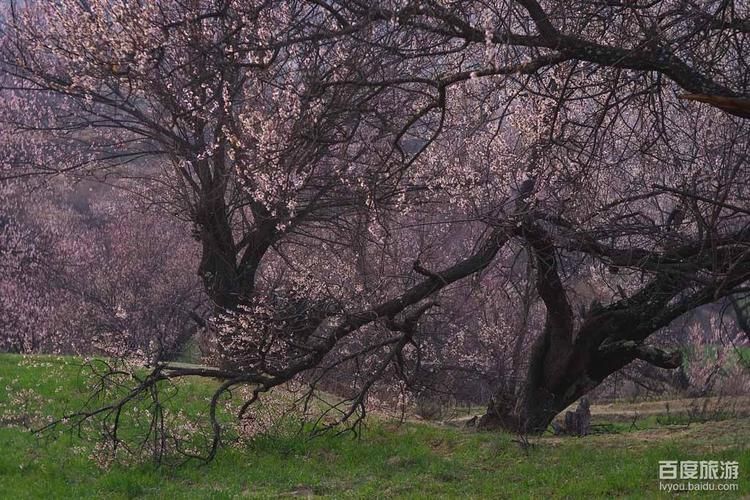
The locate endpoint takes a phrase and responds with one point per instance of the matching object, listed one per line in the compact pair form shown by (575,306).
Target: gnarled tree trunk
(567,362)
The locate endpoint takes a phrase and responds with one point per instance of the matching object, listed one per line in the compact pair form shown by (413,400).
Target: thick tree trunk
(228,265)
(530,408)
(560,374)
(568,362)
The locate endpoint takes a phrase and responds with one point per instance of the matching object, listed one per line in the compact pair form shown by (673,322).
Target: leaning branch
(650,354)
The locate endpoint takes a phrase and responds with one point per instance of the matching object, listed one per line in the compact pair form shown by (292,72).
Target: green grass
(743,353)
(389,460)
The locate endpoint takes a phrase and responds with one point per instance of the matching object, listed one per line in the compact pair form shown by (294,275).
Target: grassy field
(410,460)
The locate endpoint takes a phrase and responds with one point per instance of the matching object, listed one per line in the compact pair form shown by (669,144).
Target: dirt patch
(706,436)
(737,406)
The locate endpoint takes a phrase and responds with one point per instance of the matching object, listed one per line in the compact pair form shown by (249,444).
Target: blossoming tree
(348,165)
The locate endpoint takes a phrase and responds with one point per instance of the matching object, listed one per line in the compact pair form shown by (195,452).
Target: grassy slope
(411,460)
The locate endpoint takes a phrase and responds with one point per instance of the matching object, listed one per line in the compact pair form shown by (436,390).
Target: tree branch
(649,354)
(550,287)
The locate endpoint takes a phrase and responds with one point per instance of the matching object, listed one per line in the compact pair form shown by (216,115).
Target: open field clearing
(413,460)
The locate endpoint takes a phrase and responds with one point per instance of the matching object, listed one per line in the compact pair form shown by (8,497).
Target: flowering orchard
(90,279)
(389,197)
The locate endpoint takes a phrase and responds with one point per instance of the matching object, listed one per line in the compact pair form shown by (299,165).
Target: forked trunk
(530,408)
(567,362)
(559,375)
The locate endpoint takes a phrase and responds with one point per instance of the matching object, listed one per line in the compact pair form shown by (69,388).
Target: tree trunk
(560,374)
(228,266)
(566,362)
(530,409)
